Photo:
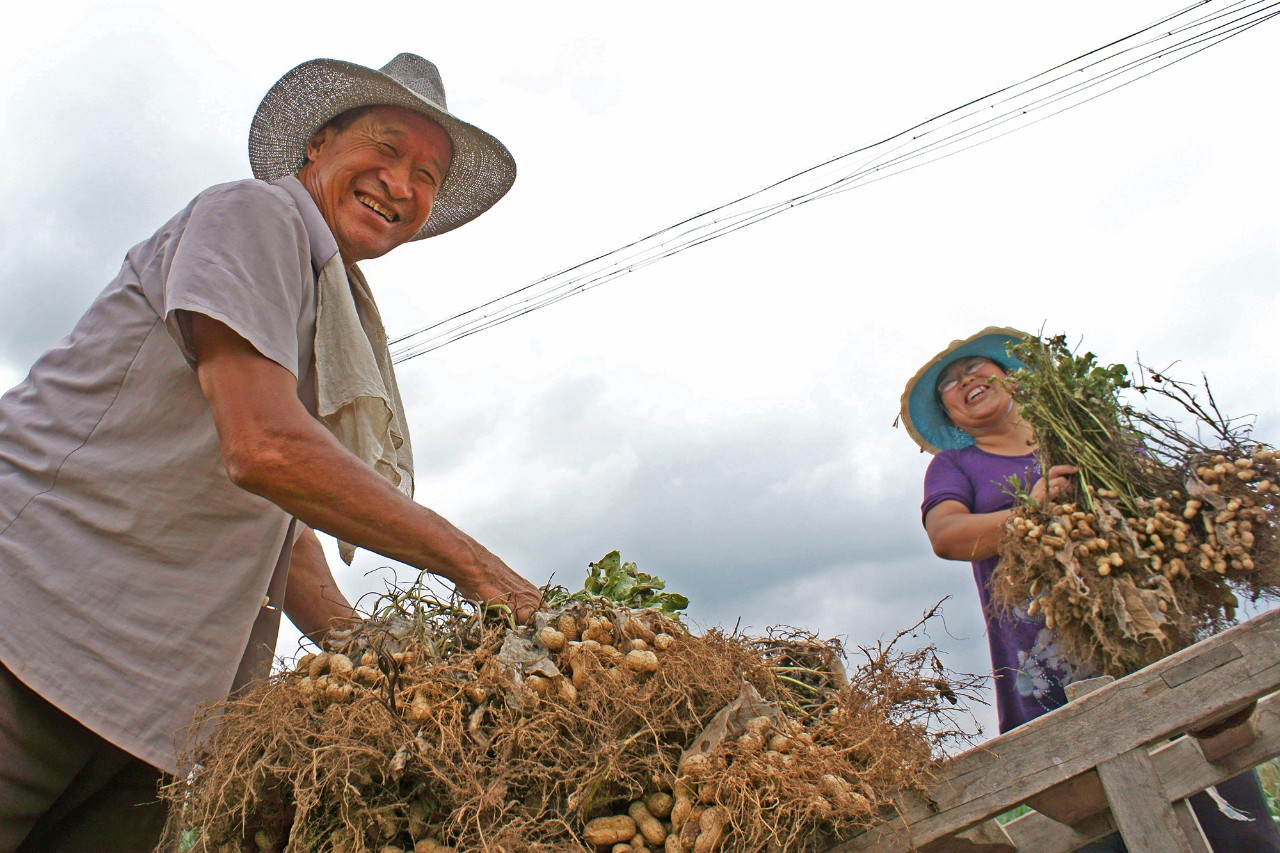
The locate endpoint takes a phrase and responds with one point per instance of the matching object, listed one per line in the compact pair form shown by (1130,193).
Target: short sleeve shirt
(1029,672)
(131,567)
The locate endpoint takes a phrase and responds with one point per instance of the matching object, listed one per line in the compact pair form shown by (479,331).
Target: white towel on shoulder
(359,400)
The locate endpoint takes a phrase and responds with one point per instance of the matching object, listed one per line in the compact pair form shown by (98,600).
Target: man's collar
(321,239)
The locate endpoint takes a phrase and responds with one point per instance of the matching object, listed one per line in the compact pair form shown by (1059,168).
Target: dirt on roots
(1124,587)
(430,727)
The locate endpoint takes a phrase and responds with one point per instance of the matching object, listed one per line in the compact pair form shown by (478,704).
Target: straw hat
(309,96)
(922,413)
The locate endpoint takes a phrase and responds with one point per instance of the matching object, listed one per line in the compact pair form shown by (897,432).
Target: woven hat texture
(308,96)
(922,414)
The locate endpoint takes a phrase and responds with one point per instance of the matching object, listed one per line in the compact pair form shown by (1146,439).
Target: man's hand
(507,588)
(273,447)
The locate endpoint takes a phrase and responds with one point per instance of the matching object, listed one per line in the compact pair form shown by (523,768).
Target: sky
(722,417)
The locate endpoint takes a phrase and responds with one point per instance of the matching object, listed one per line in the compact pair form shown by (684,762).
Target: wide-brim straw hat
(309,96)
(922,413)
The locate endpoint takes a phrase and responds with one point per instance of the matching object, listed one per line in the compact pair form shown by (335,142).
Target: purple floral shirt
(1029,672)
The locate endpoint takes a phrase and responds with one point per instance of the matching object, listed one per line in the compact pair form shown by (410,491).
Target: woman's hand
(1057,483)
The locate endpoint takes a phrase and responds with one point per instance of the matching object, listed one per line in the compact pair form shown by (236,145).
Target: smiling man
(162,469)
(374,173)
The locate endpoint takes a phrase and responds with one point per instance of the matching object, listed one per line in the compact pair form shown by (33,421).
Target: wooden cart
(1122,757)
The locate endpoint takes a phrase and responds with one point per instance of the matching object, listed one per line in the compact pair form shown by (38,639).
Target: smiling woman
(958,408)
(971,398)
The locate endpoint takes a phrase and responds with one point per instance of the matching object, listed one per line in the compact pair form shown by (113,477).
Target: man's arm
(312,600)
(271,446)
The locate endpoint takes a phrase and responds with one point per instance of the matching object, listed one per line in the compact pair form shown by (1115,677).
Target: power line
(1051,92)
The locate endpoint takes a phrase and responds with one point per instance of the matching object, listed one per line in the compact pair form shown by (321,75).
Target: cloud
(91,168)
(576,70)
(722,417)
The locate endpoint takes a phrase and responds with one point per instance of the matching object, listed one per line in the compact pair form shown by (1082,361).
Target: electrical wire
(1065,86)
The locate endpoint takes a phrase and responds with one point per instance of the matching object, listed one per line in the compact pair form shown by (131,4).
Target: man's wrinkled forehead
(394,122)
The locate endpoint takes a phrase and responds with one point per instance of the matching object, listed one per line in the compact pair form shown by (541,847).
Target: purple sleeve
(945,481)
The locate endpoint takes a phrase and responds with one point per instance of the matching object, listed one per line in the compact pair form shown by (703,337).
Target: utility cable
(1070,84)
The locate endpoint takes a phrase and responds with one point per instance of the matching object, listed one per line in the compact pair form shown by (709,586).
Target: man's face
(375,180)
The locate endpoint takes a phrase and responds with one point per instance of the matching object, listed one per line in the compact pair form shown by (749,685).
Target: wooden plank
(1225,734)
(1223,672)
(1139,807)
(1183,769)
(987,837)
(1071,801)
(1201,664)
(1190,825)
(1078,689)
(1223,720)
(1229,740)
(1035,833)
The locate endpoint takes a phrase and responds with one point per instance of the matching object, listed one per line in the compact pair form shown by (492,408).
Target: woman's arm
(958,534)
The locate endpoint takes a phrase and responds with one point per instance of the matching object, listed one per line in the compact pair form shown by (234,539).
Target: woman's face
(969,394)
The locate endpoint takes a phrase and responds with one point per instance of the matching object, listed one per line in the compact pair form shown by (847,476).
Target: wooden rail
(1123,757)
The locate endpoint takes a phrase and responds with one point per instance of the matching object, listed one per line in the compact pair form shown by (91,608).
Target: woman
(958,408)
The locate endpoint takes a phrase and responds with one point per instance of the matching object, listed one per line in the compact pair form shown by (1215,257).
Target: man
(162,468)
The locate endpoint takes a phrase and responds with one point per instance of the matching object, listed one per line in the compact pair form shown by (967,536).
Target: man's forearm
(313,601)
(310,475)
(272,447)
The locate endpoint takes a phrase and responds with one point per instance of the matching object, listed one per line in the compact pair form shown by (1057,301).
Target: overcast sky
(722,417)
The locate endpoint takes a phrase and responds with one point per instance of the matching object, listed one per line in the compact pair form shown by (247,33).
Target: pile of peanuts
(1211,528)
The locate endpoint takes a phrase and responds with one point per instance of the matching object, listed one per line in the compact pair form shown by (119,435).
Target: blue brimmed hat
(922,412)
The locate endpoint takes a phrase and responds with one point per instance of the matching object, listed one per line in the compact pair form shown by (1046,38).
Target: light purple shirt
(131,568)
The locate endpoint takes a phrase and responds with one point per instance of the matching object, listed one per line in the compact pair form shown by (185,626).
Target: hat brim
(310,95)
(921,413)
